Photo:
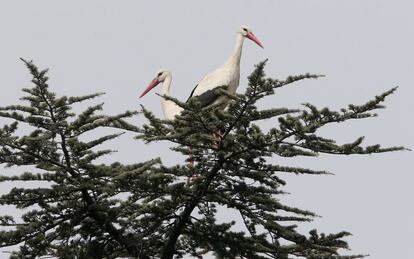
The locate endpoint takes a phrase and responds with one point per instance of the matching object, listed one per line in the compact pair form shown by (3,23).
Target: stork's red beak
(151,85)
(251,36)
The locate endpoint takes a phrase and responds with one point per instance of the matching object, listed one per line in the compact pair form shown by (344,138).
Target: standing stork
(169,108)
(228,75)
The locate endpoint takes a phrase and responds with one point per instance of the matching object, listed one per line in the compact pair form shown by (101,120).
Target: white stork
(169,108)
(228,75)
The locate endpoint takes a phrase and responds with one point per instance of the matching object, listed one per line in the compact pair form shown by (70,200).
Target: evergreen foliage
(80,213)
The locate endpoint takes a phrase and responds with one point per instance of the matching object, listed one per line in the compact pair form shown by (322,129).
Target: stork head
(160,76)
(247,32)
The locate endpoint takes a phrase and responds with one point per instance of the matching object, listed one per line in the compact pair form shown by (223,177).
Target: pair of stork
(228,75)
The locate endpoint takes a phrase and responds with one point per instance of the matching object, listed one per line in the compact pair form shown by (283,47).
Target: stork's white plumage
(169,108)
(228,75)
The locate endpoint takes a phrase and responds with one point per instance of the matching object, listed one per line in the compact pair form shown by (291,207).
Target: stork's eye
(160,73)
(244,29)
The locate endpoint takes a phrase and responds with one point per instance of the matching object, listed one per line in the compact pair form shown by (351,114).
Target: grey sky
(364,48)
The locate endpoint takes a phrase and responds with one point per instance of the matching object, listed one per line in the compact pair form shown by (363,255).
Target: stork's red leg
(190,161)
(190,158)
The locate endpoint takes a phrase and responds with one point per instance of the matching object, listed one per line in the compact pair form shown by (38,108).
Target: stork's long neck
(165,89)
(234,59)
(169,108)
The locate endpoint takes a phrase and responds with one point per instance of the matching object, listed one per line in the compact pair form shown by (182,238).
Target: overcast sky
(364,48)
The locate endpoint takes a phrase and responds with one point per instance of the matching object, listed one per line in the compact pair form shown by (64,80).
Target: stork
(228,75)
(169,108)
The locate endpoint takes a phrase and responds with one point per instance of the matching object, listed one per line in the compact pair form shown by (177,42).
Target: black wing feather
(192,92)
(207,97)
